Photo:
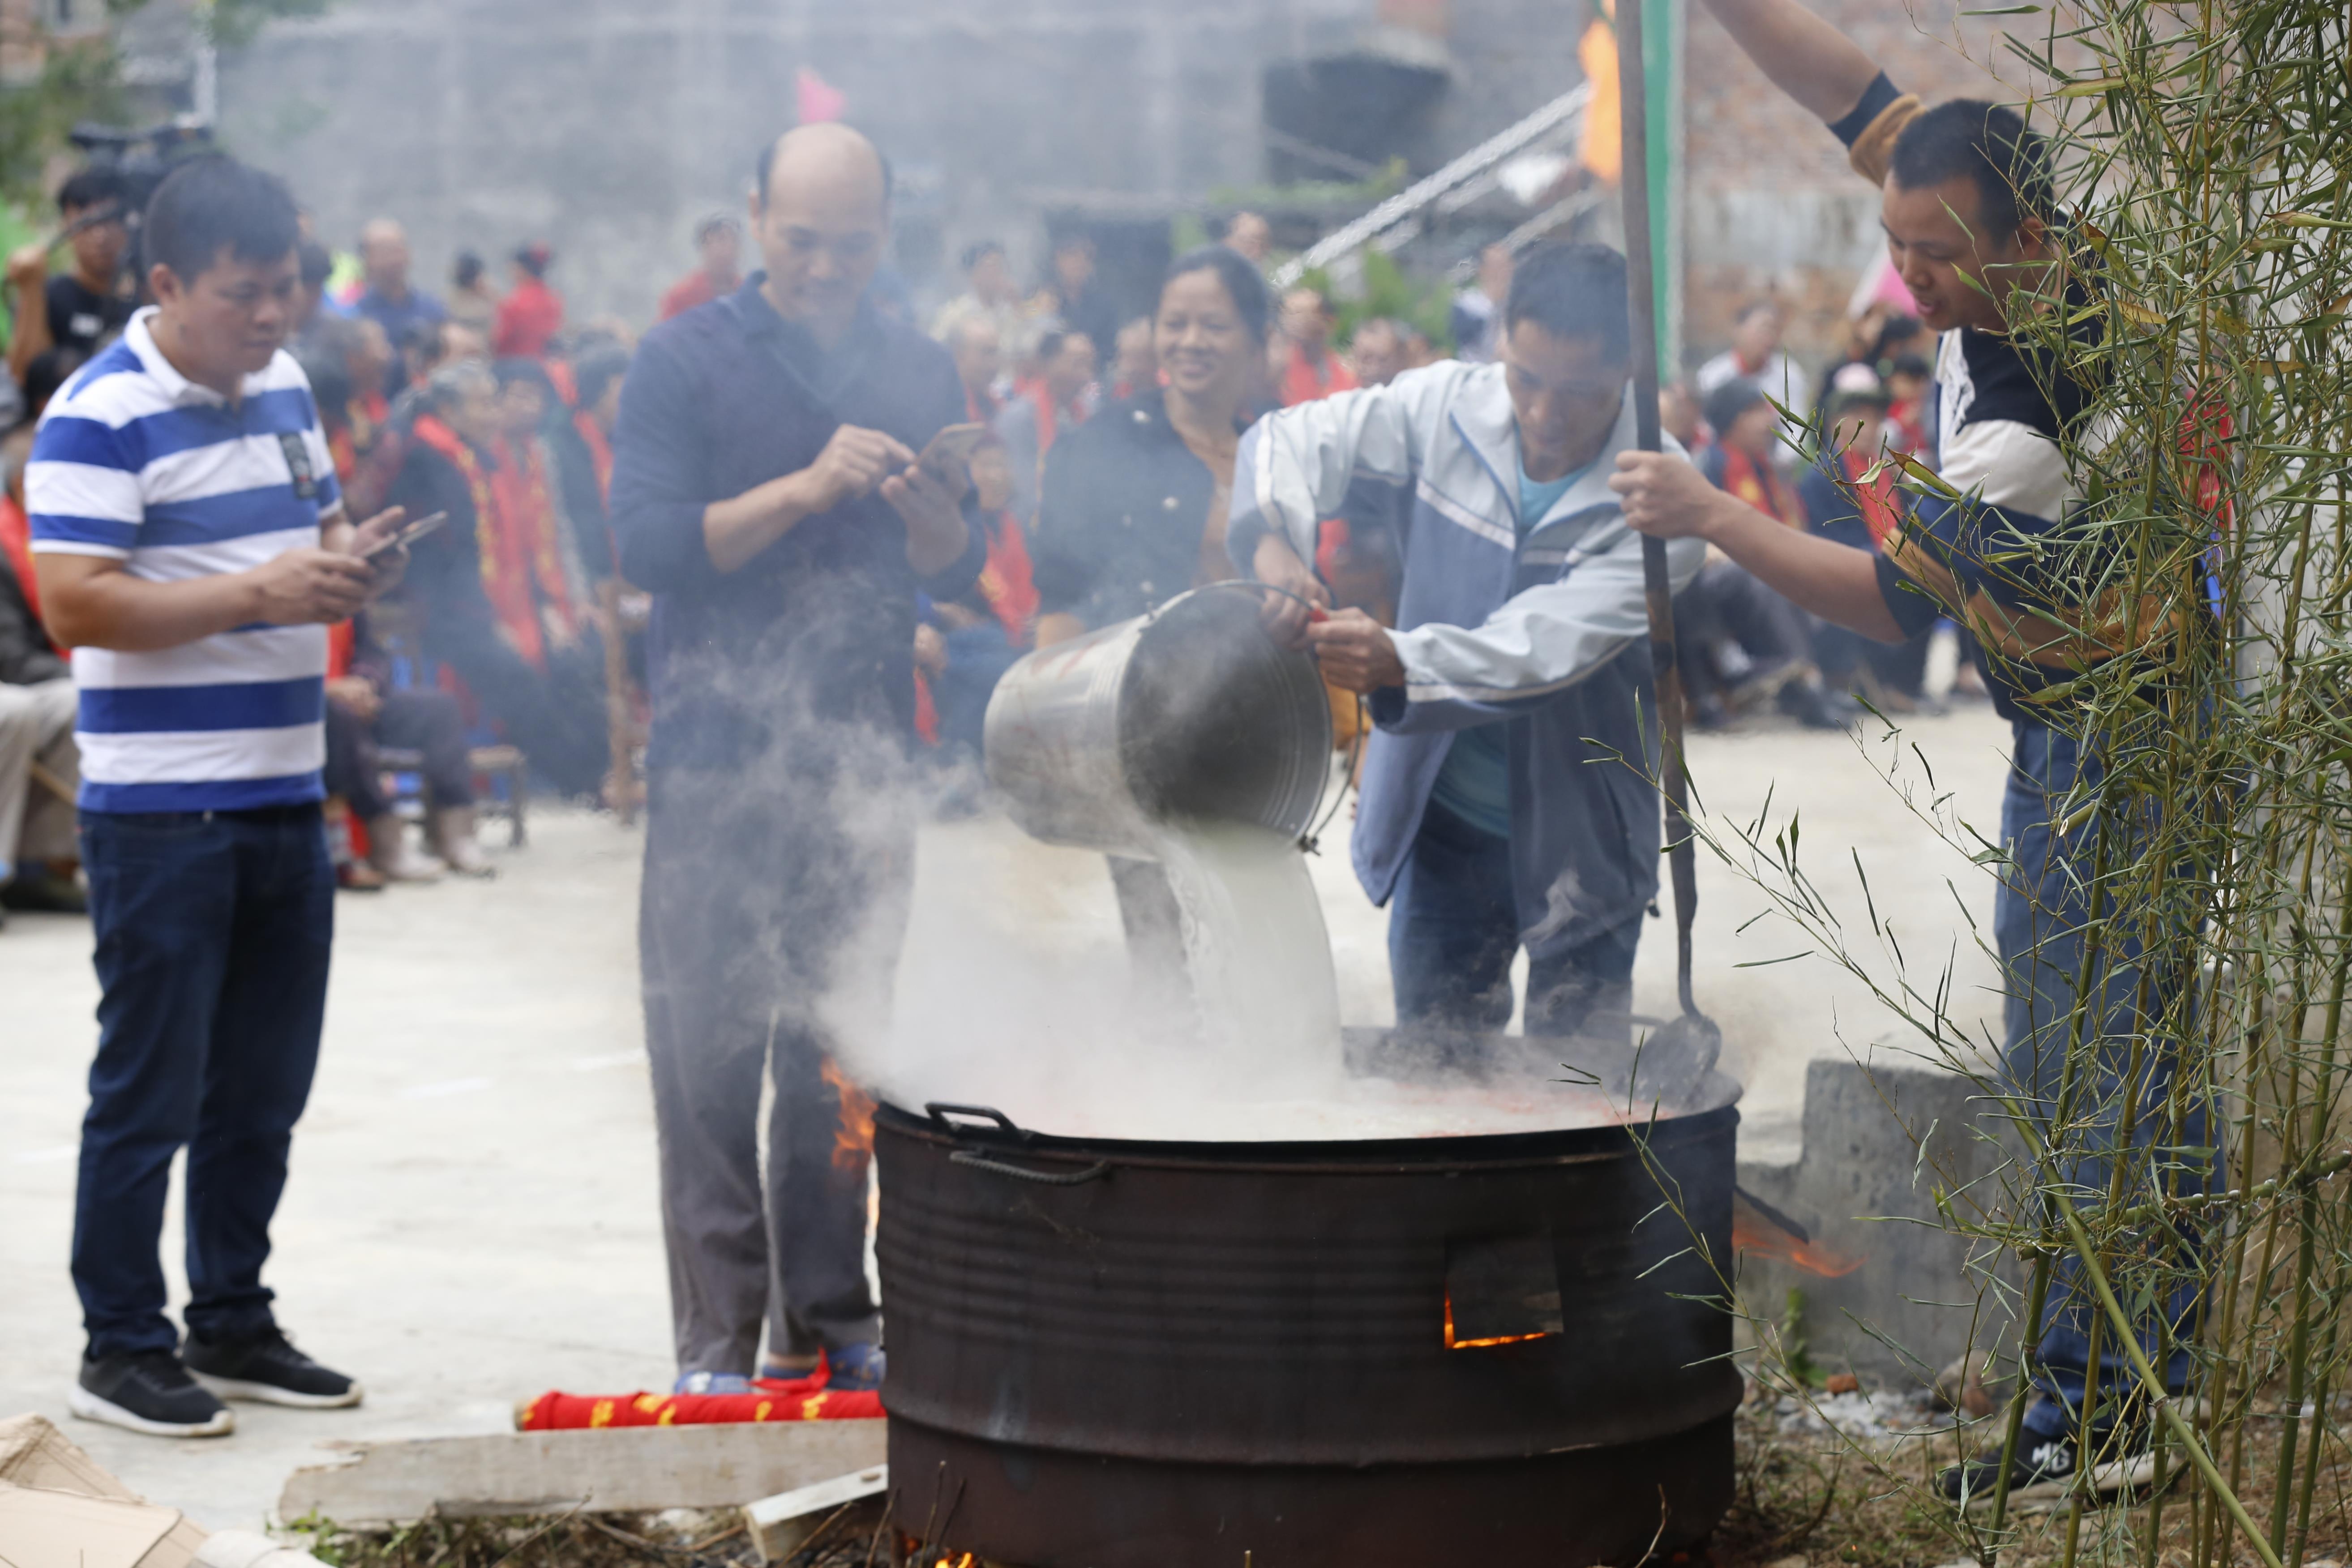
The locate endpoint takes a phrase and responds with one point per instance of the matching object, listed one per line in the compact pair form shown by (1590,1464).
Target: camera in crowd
(121,170)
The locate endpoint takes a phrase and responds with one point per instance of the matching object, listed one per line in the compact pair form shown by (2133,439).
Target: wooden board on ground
(780,1525)
(617,1469)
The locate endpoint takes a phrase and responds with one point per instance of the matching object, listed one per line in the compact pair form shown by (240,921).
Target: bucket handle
(1093,1172)
(939,1110)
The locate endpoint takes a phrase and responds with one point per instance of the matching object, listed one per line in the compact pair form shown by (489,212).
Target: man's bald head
(383,255)
(821,215)
(826,152)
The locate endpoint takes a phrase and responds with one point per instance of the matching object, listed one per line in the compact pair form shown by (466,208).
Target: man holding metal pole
(1970,216)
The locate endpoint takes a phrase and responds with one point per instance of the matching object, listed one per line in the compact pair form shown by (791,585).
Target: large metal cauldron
(1190,712)
(1109,1355)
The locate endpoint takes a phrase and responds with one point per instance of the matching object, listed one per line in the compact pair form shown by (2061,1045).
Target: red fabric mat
(802,1399)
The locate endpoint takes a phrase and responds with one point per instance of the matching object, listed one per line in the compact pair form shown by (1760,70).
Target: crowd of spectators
(487,407)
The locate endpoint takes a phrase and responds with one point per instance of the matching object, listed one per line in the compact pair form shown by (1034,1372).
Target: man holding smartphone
(192,549)
(766,491)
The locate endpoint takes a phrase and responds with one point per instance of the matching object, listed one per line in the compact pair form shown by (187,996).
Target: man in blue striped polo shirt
(193,550)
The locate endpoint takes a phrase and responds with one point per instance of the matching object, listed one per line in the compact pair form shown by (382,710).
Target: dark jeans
(2041,916)
(1727,604)
(556,716)
(977,658)
(763,923)
(213,931)
(1453,928)
(430,722)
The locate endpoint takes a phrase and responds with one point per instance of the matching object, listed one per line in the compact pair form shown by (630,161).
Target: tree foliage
(82,80)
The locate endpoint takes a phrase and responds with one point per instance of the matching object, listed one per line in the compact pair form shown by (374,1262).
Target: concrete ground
(471,1218)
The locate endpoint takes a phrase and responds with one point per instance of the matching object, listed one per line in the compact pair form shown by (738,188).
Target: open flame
(853,1136)
(1454,1344)
(1757,1230)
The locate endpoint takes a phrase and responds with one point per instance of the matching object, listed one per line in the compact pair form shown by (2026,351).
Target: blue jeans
(2041,914)
(977,658)
(1453,928)
(213,931)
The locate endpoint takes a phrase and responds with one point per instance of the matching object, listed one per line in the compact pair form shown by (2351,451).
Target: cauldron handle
(1093,1172)
(940,1110)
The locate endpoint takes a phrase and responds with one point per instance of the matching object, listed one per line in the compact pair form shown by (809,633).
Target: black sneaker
(150,1392)
(269,1370)
(2045,1469)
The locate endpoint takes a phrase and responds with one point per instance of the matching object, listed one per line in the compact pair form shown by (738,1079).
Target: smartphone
(951,449)
(409,534)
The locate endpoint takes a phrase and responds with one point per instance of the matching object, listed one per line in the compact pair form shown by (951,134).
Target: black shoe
(150,1392)
(1814,707)
(2046,1469)
(269,1370)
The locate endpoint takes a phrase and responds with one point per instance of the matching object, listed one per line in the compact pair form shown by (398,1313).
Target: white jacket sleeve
(1294,465)
(1538,642)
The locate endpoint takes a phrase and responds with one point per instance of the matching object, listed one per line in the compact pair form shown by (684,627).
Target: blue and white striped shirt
(136,463)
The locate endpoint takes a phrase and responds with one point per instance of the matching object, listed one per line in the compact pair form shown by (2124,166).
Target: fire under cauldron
(1126,1354)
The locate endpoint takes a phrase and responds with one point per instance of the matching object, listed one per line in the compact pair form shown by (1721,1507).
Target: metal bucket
(1190,713)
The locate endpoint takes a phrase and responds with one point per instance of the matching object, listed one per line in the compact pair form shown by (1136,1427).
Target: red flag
(819,99)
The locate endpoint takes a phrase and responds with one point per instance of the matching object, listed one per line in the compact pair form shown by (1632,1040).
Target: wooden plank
(779,1525)
(615,1469)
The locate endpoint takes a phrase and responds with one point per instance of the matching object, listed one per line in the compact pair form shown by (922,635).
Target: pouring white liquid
(1260,959)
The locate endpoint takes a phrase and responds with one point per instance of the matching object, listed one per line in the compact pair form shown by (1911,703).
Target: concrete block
(1879,1144)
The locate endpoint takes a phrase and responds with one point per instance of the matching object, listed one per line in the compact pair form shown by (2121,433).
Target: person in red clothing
(1740,643)
(1057,401)
(980,635)
(1747,428)
(719,239)
(978,349)
(531,313)
(1309,369)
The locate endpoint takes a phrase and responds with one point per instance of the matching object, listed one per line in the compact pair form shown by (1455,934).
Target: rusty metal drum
(1118,1354)
(1191,712)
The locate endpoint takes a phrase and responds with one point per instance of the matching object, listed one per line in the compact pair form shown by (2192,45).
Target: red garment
(1006,580)
(1880,503)
(340,639)
(1760,486)
(539,589)
(600,452)
(356,434)
(1304,382)
(17,543)
(529,319)
(504,537)
(1909,420)
(695,288)
(926,711)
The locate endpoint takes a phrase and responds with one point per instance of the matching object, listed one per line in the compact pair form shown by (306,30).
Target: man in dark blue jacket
(765,490)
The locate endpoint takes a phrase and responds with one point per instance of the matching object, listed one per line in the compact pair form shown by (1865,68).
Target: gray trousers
(35,726)
(763,924)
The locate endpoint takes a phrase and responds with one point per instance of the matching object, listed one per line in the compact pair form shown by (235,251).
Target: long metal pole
(1641,278)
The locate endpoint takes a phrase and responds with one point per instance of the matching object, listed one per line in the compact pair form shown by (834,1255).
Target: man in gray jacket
(1507,794)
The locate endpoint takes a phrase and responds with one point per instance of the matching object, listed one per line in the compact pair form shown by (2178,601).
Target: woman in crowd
(1057,401)
(531,313)
(498,608)
(1134,511)
(576,434)
(471,299)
